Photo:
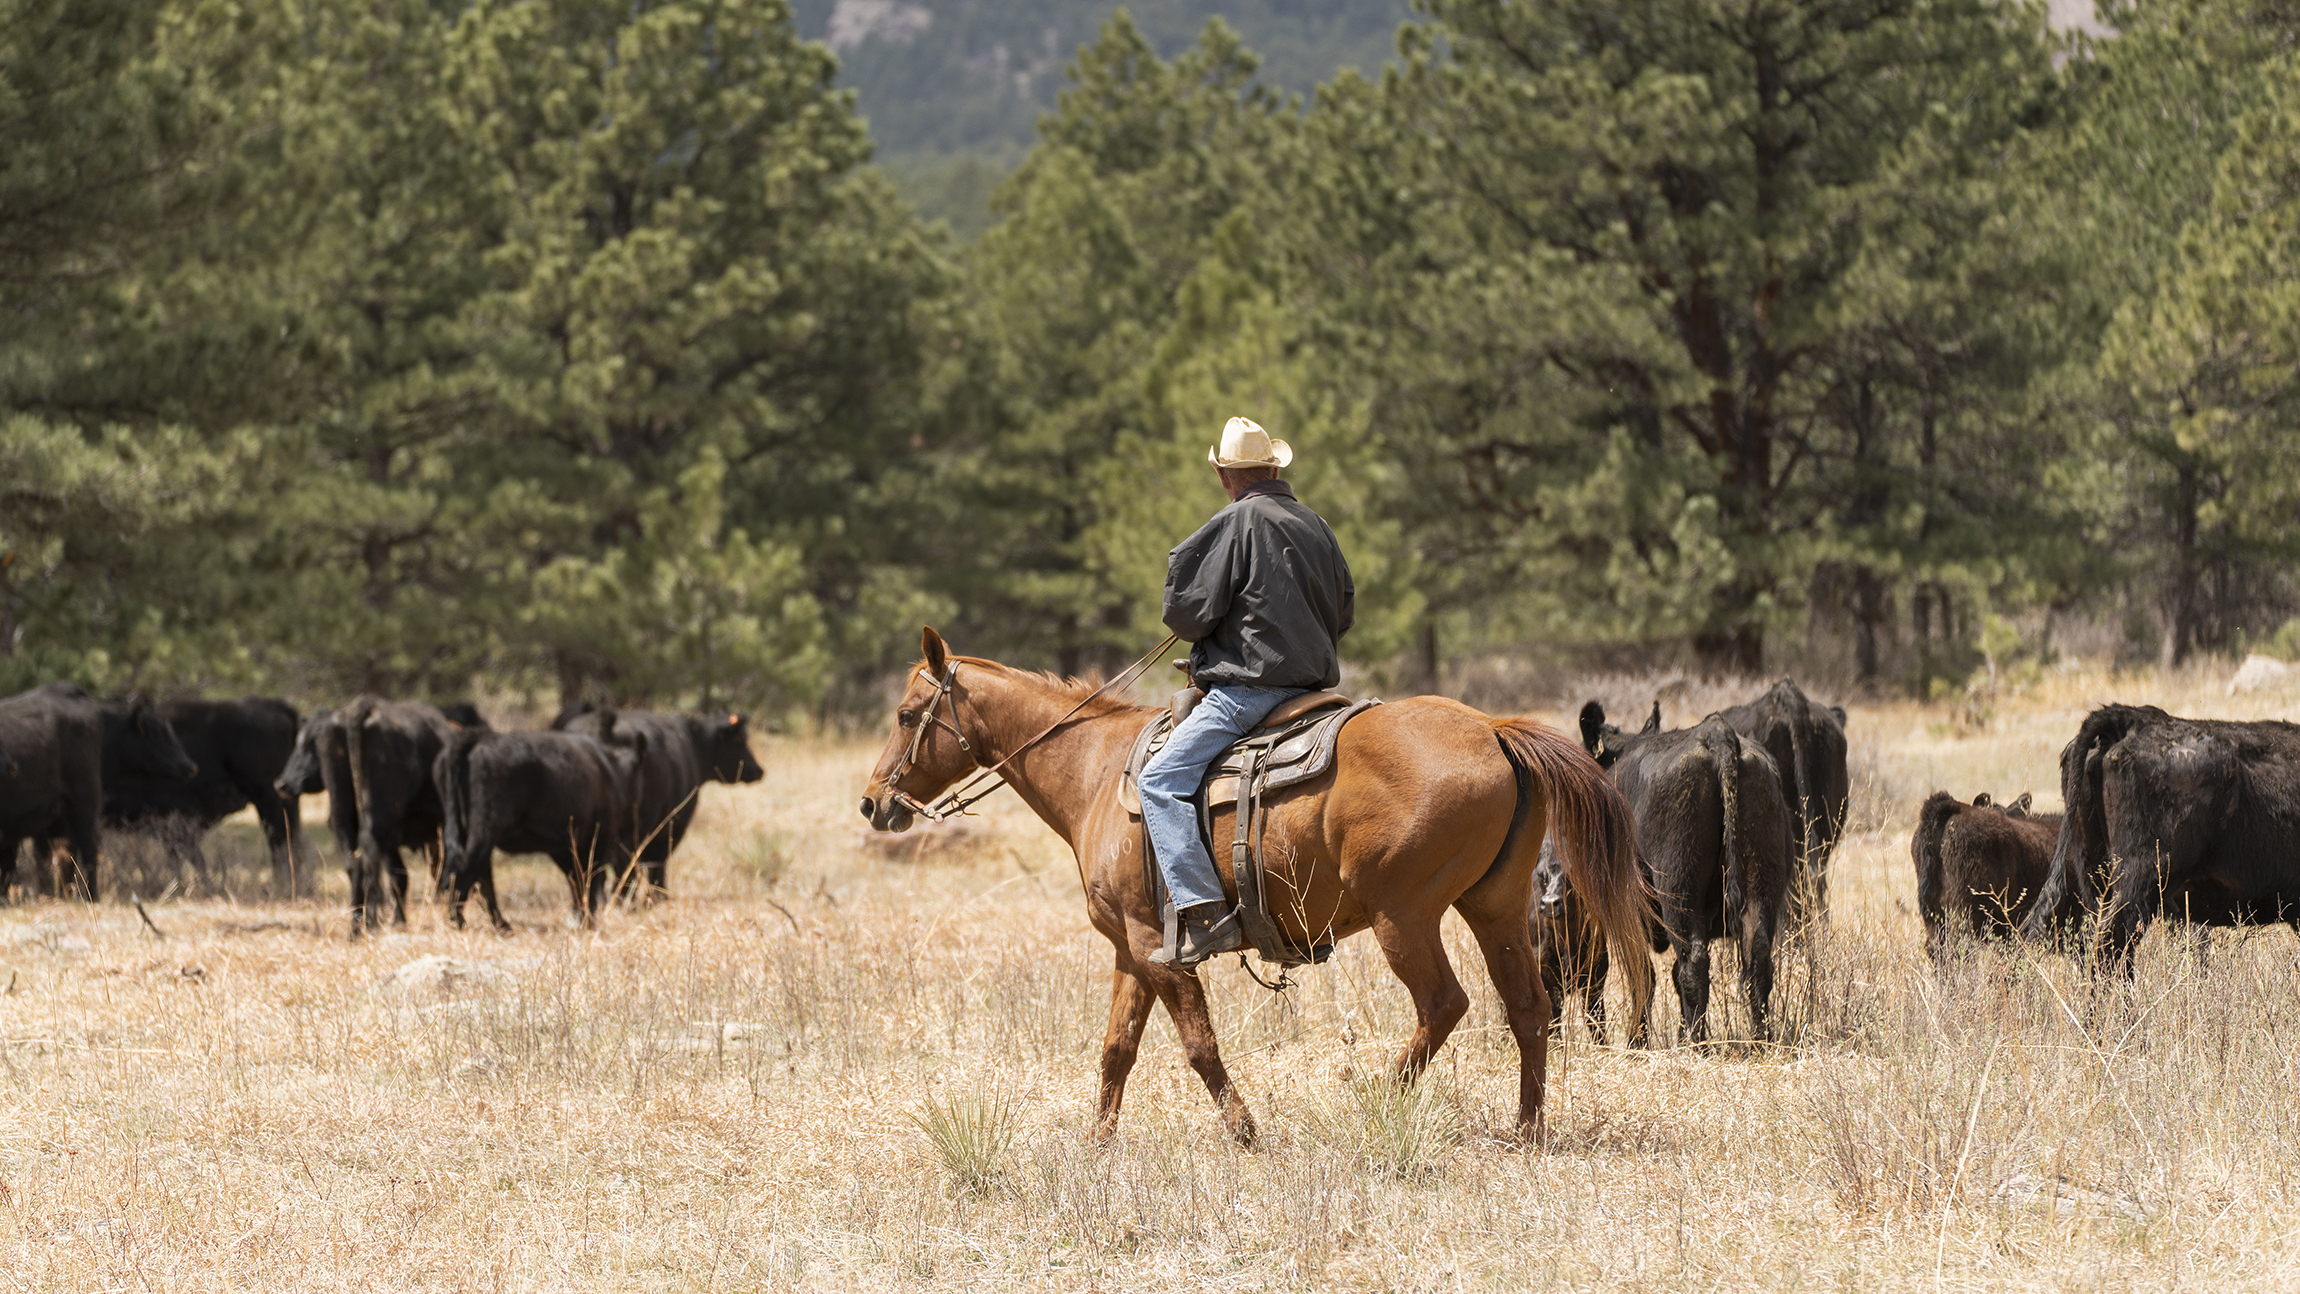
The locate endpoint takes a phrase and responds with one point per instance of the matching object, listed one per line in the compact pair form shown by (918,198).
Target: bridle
(954,802)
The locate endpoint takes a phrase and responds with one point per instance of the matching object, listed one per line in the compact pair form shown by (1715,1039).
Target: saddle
(1295,744)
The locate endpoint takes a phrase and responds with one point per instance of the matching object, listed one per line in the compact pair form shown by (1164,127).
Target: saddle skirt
(1291,753)
(1288,753)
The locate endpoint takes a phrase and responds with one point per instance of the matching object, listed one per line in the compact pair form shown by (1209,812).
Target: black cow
(1570,947)
(683,752)
(1980,866)
(389,747)
(568,795)
(240,747)
(2197,819)
(1807,742)
(1714,828)
(7,763)
(321,761)
(58,734)
(61,792)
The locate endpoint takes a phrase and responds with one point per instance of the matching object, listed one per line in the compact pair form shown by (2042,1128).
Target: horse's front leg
(1130,1002)
(1185,1000)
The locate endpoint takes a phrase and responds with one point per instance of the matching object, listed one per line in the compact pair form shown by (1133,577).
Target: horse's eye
(908,718)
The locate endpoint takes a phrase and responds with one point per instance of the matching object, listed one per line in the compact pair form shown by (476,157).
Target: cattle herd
(606,794)
(1737,817)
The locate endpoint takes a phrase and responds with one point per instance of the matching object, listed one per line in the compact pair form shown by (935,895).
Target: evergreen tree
(1625,274)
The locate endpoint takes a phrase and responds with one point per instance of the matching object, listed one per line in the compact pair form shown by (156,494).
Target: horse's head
(928,749)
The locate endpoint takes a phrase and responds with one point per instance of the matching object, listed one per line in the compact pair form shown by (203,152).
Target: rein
(960,799)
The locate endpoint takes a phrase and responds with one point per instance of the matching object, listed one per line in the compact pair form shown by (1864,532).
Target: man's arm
(1199,581)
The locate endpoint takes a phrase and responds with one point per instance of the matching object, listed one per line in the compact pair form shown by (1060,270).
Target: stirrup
(1197,943)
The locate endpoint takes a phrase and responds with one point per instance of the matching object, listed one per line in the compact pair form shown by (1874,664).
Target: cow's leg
(1130,1002)
(1593,987)
(278,822)
(10,846)
(1185,1000)
(1506,939)
(1557,975)
(1691,974)
(1757,926)
(355,871)
(81,834)
(395,874)
(1417,957)
(479,857)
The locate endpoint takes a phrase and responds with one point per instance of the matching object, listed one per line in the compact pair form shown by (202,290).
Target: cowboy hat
(1245,444)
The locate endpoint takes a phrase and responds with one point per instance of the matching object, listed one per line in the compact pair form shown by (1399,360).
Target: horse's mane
(1072,687)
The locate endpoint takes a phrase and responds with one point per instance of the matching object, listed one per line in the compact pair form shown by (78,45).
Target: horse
(1431,805)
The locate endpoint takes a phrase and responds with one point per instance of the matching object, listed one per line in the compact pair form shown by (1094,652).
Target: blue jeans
(1173,775)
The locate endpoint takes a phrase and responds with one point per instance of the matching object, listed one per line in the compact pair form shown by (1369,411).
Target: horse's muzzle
(889,815)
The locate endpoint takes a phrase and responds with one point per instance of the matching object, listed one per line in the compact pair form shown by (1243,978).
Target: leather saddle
(1295,744)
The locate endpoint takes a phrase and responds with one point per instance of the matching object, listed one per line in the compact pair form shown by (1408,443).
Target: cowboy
(1263,595)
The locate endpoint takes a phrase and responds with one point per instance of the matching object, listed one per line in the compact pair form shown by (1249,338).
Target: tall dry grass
(739,1088)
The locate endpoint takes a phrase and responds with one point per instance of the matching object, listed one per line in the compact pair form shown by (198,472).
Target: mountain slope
(953,88)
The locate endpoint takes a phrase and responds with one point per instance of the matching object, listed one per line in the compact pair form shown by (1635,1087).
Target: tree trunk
(2179,602)
(1871,614)
(1432,668)
(1724,653)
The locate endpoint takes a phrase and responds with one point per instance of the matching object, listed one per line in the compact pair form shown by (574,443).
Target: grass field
(823,1066)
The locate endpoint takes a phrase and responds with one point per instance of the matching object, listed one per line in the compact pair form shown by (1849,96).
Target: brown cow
(1980,866)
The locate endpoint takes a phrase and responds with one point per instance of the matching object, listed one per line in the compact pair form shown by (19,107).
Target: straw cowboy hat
(1245,444)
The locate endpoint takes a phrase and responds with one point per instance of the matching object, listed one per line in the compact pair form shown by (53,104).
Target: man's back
(1263,593)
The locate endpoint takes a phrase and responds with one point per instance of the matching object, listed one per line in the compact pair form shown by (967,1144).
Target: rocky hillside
(953,88)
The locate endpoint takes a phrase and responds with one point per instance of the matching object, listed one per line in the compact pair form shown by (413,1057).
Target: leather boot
(1207,930)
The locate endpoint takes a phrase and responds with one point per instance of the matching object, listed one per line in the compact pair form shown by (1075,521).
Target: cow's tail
(451,774)
(1925,849)
(1724,748)
(1596,840)
(354,719)
(1801,740)
(2082,848)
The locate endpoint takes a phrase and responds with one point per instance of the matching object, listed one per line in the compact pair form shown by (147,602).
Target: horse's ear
(936,650)
(1592,725)
(2022,804)
(1838,711)
(1652,721)
(1982,800)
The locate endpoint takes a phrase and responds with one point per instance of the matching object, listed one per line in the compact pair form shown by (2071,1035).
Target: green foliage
(391,346)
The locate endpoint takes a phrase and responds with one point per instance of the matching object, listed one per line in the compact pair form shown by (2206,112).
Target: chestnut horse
(1431,805)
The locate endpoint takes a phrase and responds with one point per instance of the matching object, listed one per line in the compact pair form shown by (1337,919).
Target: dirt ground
(828,1065)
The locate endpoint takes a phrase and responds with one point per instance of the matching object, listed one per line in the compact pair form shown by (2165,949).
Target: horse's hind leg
(1185,1000)
(1417,957)
(1130,1001)
(1508,948)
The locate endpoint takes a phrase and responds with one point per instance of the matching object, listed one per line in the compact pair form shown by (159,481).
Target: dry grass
(734,1090)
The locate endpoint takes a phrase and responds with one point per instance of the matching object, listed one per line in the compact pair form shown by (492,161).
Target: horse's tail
(1596,841)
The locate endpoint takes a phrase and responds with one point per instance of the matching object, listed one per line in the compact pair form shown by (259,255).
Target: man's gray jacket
(1263,594)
